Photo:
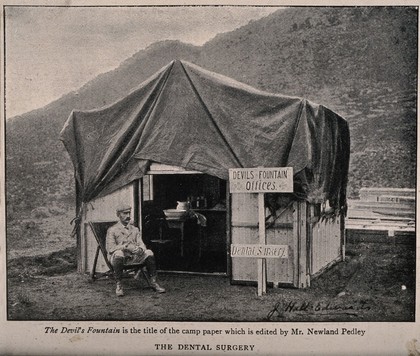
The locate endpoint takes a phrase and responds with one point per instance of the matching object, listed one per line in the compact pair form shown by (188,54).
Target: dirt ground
(376,282)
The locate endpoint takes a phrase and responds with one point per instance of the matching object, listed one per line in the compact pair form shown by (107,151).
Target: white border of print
(23,337)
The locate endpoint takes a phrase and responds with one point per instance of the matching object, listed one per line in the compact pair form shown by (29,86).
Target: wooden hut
(175,137)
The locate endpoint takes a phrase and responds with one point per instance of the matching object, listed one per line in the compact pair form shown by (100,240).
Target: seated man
(125,246)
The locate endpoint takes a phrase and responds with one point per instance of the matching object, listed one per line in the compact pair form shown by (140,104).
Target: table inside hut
(178,223)
(197,245)
(193,217)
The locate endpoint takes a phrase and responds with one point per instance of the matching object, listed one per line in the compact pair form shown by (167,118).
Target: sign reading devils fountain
(261,180)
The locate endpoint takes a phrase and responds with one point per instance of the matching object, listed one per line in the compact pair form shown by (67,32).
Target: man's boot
(156,286)
(119,291)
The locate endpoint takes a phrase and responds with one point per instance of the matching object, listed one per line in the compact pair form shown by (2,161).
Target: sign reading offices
(261,180)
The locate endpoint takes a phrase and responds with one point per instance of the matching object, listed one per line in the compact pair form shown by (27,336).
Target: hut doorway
(194,241)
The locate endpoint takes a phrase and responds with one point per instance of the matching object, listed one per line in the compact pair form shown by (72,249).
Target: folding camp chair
(99,230)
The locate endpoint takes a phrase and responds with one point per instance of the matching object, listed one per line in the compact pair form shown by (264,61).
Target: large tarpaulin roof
(189,117)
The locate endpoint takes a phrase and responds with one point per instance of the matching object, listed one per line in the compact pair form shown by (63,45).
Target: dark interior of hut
(184,221)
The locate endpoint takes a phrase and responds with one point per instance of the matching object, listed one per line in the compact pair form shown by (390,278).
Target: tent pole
(78,226)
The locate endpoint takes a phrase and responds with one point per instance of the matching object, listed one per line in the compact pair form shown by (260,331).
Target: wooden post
(343,237)
(262,270)
(228,230)
(303,280)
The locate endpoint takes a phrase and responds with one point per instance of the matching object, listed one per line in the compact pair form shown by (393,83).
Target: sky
(50,51)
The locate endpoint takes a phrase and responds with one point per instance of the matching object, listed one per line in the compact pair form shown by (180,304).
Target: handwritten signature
(281,308)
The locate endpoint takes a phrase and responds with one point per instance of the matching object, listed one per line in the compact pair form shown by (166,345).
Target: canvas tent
(189,117)
(186,116)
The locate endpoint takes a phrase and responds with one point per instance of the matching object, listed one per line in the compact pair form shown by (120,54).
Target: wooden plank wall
(101,209)
(283,270)
(326,244)
(244,218)
(245,231)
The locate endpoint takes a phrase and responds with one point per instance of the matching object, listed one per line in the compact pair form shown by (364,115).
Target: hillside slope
(360,62)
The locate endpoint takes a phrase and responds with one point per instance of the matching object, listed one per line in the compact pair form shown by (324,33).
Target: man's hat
(123,208)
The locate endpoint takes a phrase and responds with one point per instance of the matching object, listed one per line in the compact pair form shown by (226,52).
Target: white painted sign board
(261,180)
(259,251)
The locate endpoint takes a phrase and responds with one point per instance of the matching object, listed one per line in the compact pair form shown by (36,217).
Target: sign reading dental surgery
(259,251)
(261,180)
